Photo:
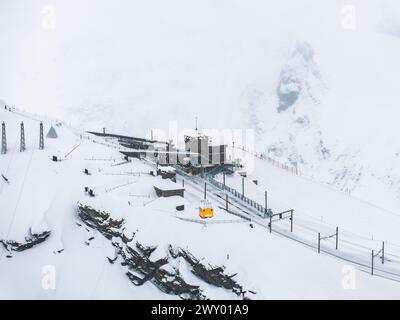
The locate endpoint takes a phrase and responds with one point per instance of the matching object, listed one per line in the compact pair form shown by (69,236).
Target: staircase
(227,167)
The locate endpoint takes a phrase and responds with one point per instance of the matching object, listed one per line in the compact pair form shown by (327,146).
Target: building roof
(166,168)
(166,184)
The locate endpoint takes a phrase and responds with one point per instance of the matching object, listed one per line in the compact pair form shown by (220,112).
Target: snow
(167,184)
(272,266)
(312,200)
(132,66)
(114,67)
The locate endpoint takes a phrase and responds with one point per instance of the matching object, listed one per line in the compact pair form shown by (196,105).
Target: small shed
(167,188)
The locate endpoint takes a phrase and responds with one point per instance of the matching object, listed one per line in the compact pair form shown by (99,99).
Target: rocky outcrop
(142,268)
(212,275)
(297,77)
(31,240)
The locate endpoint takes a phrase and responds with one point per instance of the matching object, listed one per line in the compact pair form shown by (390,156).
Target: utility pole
(243,186)
(266,204)
(372,263)
(383,252)
(270,223)
(319,242)
(183,183)
(22,143)
(3,139)
(337,237)
(167,154)
(226,202)
(205,190)
(41,139)
(291,220)
(223,177)
(233,152)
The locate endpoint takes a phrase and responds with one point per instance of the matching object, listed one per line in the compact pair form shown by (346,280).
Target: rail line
(351,252)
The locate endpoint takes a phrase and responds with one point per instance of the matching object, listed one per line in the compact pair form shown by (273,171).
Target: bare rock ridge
(141,268)
(296,75)
(31,240)
(213,275)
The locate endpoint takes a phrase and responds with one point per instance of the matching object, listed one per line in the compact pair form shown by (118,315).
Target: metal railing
(261,210)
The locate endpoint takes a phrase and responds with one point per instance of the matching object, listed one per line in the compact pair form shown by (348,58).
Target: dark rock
(142,269)
(31,240)
(212,275)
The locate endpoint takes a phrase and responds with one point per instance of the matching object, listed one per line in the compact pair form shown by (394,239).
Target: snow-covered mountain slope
(318,85)
(334,112)
(345,137)
(46,193)
(319,88)
(320,206)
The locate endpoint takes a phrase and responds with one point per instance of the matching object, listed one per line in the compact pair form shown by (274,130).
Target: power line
(19,197)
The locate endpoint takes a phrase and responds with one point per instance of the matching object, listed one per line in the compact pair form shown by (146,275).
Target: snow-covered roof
(167,168)
(167,184)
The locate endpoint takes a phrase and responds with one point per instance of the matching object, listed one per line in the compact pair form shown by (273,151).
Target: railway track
(361,260)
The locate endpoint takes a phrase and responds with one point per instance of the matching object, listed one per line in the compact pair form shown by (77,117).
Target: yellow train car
(206,210)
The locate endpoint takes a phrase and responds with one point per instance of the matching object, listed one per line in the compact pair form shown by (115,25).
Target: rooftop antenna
(198,132)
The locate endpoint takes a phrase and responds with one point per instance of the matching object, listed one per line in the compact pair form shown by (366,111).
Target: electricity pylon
(22,143)
(41,140)
(3,139)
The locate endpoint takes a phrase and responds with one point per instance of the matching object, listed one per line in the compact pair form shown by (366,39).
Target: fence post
(223,176)
(372,263)
(383,252)
(319,242)
(183,183)
(337,237)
